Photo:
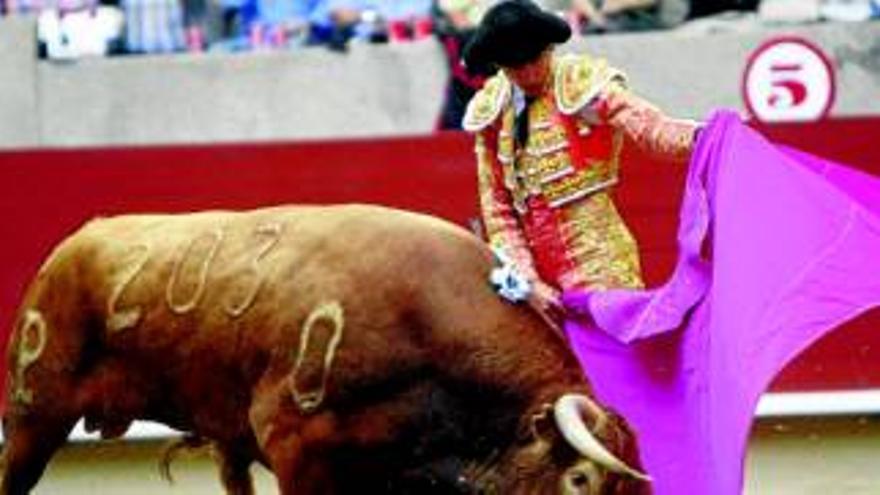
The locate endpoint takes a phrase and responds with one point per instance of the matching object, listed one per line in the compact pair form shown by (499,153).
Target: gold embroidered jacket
(547,202)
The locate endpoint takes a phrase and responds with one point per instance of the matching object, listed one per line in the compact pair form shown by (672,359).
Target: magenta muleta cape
(776,248)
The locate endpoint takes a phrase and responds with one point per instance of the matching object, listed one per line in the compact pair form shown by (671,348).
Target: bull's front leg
(31,440)
(235,472)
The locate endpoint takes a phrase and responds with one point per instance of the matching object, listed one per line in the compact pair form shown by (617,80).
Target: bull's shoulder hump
(404,226)
(354,218)
(409,219)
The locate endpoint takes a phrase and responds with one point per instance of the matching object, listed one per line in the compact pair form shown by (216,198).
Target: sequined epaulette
(486,105)
(579,78)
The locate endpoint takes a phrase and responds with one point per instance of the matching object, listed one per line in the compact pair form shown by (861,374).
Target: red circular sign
(788,79)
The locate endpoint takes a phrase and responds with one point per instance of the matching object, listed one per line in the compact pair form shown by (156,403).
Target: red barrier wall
(45,195)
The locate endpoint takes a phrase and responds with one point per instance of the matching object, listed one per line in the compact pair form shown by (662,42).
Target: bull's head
(568,450)
(594,473)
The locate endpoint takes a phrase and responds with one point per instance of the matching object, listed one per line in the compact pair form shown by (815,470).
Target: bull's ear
(542,425)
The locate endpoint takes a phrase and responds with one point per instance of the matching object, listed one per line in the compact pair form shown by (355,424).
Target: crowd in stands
(69,29)
(73,28)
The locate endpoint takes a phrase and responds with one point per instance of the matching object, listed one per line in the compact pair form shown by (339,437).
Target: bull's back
(238,285)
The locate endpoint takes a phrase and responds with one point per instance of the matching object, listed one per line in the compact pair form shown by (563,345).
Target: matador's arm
(652,131)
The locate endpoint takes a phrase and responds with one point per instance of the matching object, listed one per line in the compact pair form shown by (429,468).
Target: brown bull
(349,349)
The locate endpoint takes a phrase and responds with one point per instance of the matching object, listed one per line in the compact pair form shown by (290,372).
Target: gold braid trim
(486,105)
(580,78)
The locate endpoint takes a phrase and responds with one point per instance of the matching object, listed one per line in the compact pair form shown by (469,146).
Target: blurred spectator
(82,33)
(406,19)
(153,26)
(237,17)
(38,6)
(280,23)
(582,15)
(336,22)
(68,29)
(230,18)
(455,22)
(850,10)
(789,11)
(461,15)
(703,8)
(626,15)
(194,22)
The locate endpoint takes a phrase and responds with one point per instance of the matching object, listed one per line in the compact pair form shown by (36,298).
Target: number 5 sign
(788,79)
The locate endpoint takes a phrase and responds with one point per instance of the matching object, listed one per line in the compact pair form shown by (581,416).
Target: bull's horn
(568,413)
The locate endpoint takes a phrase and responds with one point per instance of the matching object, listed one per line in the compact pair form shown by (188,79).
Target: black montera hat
(512,33)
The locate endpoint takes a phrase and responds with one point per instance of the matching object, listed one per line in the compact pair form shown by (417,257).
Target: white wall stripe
(772,405)
(837,403)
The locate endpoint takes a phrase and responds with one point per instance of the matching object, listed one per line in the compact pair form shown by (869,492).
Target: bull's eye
(579,480)
(583,479)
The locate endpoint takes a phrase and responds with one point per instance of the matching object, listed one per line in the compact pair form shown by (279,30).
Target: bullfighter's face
(532,77)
